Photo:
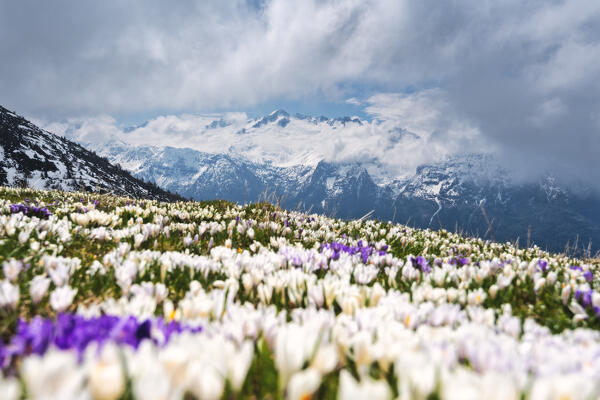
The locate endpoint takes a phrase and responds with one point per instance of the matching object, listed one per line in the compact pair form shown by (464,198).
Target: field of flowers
(106,298)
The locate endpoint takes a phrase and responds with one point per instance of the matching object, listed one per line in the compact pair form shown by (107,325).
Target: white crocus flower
(149,379)
(138,239)
(596,299)
(496,386)
(539,283)
(60,274)
(160,292)
(451,294)
(9,294)
(175,359)
(551,278)
(568,386)
(565,294)
(303,384)
(476,297)
(363,349)
(38,287)
(204,381)
(9,388)
(578,310)
(493,291)
(56,375)
(106,378)
(367,388)
(12,268)
(23,236)
(238,361)
(125,274)
(61,298)
(316,295)
(290,351)
(461,384)
(377,293)
(325,359)
(416,375)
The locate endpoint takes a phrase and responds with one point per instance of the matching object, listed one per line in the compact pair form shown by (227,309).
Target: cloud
(353,101)
(106,57)
(523,75)
(97,129)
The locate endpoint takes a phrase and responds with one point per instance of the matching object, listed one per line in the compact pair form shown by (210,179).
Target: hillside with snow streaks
(32,157)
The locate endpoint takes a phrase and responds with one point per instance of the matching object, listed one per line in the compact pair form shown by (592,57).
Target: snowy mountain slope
(36,158)
(457,194)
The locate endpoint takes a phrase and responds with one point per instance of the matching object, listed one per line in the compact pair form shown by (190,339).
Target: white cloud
(152,55)
(521,74)
(418,112)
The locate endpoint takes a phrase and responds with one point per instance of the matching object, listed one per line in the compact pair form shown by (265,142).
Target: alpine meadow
(294,200)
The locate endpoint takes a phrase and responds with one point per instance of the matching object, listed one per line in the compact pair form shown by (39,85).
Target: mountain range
(470,193)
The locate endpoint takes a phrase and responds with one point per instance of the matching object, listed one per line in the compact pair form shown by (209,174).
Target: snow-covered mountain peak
(279,113)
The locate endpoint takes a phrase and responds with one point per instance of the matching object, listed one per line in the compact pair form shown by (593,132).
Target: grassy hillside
(117,298)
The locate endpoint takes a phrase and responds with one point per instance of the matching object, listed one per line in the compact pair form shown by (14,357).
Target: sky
(517,78)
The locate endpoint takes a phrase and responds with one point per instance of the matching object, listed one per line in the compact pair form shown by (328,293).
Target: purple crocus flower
(584,298)
(40,212)
(588,275)
(587,298)
(70,331)
(422,263)
(365,251)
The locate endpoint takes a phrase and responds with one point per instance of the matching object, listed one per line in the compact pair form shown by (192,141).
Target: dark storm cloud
(523,74)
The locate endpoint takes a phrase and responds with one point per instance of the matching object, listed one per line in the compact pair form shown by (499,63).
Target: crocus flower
(422,263)
(9,294)
(106,376)
(12,268)
(62,297)
(367,388)
(56,375)
(303,384)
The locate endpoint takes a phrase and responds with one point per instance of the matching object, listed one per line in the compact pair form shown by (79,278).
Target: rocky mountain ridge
(32,157)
